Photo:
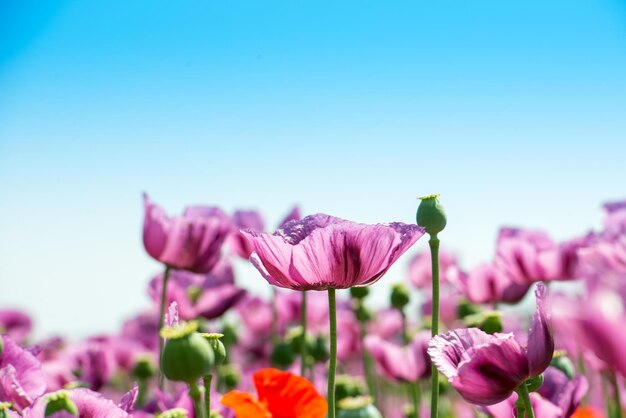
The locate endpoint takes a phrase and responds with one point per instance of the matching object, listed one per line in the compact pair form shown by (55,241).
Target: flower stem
(195,393)
(274,329)
(367,363)
(414,392)
(303,352)
(207,392)
(166,276)
(522,392)
(333,353)
(434,258)
(616,394)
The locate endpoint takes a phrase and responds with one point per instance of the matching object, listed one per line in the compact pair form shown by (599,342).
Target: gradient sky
(513,110)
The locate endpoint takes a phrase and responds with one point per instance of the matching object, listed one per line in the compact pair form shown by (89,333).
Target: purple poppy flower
(90,404)
(490,284)
(206,295)
(531,256)
(245,219)
(16,324)
(400,363)
(21,378)
(542,407)
(615,220)
(190,242)
(486,369)
(321,252)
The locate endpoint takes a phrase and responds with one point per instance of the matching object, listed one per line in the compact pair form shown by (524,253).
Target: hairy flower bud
(230,375)
(283,354)
(144,368)
(187,356)
(319,350)
(359,292)
(348,387)
(489,321)
(430,215)
(400,296)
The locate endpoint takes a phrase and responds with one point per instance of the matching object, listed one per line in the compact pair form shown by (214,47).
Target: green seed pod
(358,407)
(230,375)
(359,293)
(465,308)
(319,349)
(60,401)
(430,215)
(363,314)
(230,335)
(348,387)
(173,413)
(144,368)
(534,383)
(187,356)
(400,296)
(215,340)
(488,321)
(283,354)
(563,363)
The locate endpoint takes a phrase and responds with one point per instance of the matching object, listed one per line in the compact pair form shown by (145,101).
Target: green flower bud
(358,407)
(319,350)
(215,414)
(230,334)
(465,308)
(563,363)
(4,407)
(534,383)
(187,356)
(144,368)
(173,413)
(348,387)
(363,314)
(488,321)
(60,401)
(283,354)
(400,296)
(430,215)
(215,340)
(230,375)
(360,292)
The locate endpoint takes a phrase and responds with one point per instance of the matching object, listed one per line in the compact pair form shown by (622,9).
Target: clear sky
(513,110)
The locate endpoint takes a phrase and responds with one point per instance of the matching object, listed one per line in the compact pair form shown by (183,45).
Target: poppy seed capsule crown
(60,401)
(219,351)
(187,355)
(358,407)
(430,215)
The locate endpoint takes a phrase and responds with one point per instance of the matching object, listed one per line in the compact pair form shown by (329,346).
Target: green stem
(414,390)
(616,394)
(522,392)
(274,330)
(303,351)
(405,328)
(434,258)
(333,353)
(207,392)
(142,394)
(195,393)
(166,276)
(367,363)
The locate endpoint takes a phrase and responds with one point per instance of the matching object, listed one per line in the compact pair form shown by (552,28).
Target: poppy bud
(187,356)
(230,375)
(563,363)
(400,296)
(173,413)
(358,407)
(359,292)
(144,368)
(430,215)
(60,401)
(319,350)
(465,308)
(283,354)
(363,314)
(230,335)
(219,351)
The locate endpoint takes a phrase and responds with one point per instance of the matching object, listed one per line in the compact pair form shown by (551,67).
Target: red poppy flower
(280,395)
(587,412)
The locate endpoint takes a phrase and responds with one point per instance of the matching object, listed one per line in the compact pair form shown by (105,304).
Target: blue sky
(514,111)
